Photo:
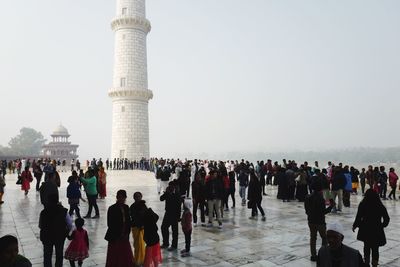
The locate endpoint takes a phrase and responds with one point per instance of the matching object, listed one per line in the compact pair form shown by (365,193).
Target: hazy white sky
(227,75)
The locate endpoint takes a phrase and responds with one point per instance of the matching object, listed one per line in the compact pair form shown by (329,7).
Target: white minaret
(130,94)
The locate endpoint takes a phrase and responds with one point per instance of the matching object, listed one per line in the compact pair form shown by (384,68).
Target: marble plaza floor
(280,241)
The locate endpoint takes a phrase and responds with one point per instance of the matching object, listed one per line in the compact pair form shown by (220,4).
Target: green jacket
(90,185)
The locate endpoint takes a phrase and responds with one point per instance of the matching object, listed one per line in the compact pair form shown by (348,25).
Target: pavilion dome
(60,130)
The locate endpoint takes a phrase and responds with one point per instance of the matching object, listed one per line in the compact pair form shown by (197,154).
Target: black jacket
(338,181)
(371,220)
(136,211)
(151,236)
(198,191)
(53,225)
(254,193)
(117,229)
(172,205)
(215,188)
(314,205)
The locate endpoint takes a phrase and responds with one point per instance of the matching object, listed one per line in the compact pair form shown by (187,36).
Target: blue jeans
(242,193)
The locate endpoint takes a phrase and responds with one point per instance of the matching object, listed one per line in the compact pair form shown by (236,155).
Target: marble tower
(130,94)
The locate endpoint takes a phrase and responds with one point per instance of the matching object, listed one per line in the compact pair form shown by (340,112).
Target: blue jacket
(73,191)
(348,187)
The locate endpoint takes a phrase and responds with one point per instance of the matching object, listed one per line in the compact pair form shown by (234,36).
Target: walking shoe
(263,219)
(87,217)
(164,246)
(194,224)
(183,250)
(171,248)
(203,224)
(252,217)
(220,225)
(209,224)
(186,254)
(96,216)
(313,258)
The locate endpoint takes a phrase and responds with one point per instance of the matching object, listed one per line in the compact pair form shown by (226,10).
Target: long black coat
(371,221)
(254,193)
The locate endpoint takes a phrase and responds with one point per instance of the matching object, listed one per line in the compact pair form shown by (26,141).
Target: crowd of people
(209,186)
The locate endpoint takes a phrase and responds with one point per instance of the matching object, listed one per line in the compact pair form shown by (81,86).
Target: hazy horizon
(226,75)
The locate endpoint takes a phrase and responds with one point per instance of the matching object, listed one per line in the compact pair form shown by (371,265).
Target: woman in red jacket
(26,179)
(393,183)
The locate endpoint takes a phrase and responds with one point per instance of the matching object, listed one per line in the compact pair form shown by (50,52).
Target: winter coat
(172,205)
(186,221)
(151,236)
(393,179)
(314,206)
(243,179)
(198,191)
(338,181)
(215,189)
(73,191)
(53,225)
(254,193)
(370,224)
(136,212)
(348,185)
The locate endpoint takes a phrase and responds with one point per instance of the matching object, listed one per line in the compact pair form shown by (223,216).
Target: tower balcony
(123,93)
(131,22)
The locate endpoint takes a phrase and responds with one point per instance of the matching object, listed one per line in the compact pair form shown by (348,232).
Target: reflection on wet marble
(280,241)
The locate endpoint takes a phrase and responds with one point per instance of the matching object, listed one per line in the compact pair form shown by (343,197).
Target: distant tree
(28,142)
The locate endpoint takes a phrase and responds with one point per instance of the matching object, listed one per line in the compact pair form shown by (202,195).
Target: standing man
(171,217)
(338,184)
(214,193)
(55,224)
(243,183)
(314,206)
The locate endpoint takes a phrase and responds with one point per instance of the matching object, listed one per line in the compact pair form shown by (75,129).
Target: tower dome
(60,130)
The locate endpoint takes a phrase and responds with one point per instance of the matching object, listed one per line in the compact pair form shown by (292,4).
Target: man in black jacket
(54,224)
(314,205)
(214,193)
(172,214)
(338,184)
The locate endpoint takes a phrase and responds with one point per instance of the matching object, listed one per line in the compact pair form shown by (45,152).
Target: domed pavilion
(60,147)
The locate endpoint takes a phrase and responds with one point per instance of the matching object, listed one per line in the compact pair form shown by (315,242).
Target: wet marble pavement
(282,240)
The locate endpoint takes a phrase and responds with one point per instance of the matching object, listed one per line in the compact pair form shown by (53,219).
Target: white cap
(188,203)
(336,227)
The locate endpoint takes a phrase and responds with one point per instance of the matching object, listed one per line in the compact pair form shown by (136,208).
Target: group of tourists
(208,186)
(323,190)
(18,165)
(126,164)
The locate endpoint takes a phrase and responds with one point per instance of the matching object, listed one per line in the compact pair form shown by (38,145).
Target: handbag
(19,181)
